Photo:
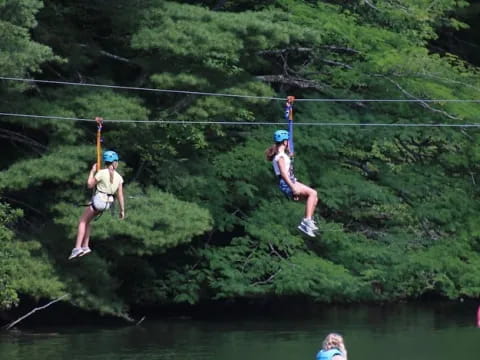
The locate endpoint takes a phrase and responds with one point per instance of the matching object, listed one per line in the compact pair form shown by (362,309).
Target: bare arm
(121,201)
(91,181)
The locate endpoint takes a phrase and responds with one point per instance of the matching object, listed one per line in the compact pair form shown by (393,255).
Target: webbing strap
(99,121)
(289,119)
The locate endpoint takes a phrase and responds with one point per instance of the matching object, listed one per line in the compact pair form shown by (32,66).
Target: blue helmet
(280,135)
(110,156)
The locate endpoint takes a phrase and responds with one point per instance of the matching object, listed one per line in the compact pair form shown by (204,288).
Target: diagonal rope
(141,88)
(238,95)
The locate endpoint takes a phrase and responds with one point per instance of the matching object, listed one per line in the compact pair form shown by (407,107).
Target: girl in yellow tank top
(107,183)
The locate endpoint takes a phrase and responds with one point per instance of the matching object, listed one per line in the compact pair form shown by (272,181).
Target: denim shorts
(284,188)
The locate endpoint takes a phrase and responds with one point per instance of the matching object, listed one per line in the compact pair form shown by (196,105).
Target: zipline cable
(238,95)
(234,123)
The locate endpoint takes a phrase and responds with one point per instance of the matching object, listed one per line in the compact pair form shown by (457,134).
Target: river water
(401,332)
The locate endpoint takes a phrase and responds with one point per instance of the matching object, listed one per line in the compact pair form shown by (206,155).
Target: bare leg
(311,197)
(84,226)
(86,237)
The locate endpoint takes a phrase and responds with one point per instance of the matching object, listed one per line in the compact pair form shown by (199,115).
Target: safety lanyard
(289,119)
(99,121)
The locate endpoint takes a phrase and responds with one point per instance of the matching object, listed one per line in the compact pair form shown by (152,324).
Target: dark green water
(403,332)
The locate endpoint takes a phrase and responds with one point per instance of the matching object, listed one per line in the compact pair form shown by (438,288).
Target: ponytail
(271,152)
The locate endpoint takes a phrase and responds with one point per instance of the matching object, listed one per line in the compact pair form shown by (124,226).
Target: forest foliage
(205,221)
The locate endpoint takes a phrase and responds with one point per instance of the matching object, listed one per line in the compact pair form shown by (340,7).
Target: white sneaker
(310,223)
(306,230)
(85,251)
(75,252)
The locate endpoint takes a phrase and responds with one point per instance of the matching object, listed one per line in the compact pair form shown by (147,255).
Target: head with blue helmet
(109,157)
(280,137)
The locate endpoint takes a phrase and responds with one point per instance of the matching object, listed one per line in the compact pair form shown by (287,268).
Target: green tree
(204,218)
(23,267)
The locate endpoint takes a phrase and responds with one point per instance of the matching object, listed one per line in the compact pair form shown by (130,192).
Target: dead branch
(12,324)
(108,54)
(285,258)
(20,138)
(336,63)
(421,102)
(24,204)
(249,257)
(115,57)
(219,5)
(446,80)
(398,5)
(389,4)
(301,83)
(336,48)
(140,321)
(274,251)
(340,49)
(126,317)
(367,2)
(364,167)
(269,280)
(466,134)
(283,51)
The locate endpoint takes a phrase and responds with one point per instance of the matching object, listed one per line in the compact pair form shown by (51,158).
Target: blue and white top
(287,160)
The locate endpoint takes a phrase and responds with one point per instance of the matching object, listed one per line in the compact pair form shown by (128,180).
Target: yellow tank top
(103,181)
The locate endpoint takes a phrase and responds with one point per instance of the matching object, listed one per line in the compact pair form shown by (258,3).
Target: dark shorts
(284,188)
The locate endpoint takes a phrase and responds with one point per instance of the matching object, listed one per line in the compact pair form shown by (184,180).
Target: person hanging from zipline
(108,184)
(280,154)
